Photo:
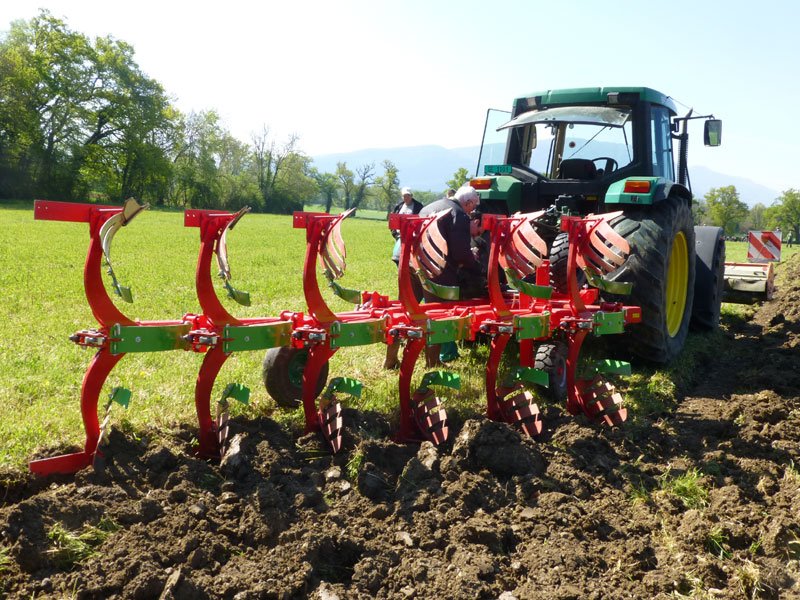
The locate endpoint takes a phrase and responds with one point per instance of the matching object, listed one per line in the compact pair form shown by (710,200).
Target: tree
(725,208)
(388,186)
(293,185)
(78,117)
(270,158)
(699,211)
(460,177)
(195,181)
(785,213)
(327,184)
(347,181)
(756,219)
(365,177)
(237,183)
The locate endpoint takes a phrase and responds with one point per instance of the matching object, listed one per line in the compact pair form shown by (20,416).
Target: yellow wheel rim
(677,279)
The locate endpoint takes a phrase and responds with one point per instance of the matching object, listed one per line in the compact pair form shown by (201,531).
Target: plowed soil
(582,512)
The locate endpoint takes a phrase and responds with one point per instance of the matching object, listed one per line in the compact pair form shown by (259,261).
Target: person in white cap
(407,206)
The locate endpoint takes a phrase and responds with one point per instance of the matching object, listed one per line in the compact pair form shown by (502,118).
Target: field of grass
(44,303)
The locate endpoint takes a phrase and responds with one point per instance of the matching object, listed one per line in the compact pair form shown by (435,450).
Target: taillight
(482,183)
(637,187)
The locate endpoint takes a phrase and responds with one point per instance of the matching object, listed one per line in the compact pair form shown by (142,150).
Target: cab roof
(593,95)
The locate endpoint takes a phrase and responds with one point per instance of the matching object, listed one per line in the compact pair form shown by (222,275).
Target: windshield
(608,148)
(592,142)
(602,135)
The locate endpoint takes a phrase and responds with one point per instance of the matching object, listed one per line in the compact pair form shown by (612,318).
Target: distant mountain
(427,168)
(750,192)
(424,168)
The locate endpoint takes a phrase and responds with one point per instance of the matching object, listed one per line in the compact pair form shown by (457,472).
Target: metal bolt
(247,338)
(138,339)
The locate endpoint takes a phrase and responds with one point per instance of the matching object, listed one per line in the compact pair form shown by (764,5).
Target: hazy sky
(357,74)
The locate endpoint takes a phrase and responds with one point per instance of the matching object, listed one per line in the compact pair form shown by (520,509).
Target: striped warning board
(764,246)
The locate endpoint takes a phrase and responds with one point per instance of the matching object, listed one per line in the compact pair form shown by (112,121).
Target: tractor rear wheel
(283,375)
(662,270)
(710,278)
(552,359)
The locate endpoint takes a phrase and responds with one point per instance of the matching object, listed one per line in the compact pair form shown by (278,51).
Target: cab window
(661,137)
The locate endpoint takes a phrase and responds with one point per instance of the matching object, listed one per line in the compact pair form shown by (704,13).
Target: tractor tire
(552,359)
(559,258)
(710,249)
(283,375)
(661,268)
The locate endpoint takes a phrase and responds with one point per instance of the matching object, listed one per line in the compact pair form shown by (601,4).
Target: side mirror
(712,134)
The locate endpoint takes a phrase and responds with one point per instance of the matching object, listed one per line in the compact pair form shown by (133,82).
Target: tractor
(610,150)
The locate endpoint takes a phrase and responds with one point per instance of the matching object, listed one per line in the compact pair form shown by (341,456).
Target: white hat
(406,190)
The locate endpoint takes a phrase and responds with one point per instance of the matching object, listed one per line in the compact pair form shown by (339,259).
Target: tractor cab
(570,147)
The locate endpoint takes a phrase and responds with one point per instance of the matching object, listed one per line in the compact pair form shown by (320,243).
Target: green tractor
(598,150)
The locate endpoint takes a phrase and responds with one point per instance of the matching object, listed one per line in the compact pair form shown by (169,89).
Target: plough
(550,327)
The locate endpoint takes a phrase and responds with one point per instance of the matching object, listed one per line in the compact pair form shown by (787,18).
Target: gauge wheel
(552,359)
(559,257)
(283,375)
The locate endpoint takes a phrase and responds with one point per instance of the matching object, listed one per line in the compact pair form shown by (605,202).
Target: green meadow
(44,303)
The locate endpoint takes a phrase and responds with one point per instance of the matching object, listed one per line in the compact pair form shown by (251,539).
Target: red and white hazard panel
(764,246)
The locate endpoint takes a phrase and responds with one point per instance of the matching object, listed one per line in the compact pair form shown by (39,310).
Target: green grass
(737,251)
(71,548)
(716,540)
(353,466)
(687,487)
(361,213)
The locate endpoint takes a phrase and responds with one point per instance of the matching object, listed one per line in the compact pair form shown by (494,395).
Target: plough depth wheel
(283,375)
(552,359)
(559,273)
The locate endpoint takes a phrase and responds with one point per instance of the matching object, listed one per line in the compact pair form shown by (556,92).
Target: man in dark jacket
(461,269)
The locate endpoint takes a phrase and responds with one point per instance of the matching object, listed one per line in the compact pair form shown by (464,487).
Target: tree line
(80,121)
(723,207)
